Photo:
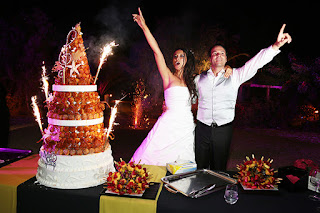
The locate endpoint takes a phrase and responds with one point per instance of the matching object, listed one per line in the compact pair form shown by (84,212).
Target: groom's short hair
(213,46)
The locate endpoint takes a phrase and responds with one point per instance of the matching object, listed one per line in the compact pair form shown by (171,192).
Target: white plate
(275,188)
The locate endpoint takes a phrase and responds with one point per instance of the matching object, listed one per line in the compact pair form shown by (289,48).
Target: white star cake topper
(74,68)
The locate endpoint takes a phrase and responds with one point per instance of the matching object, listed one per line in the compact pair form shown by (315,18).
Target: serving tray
(197,183)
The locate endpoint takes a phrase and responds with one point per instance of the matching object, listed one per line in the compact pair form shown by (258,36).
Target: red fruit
(109,179)
(249,185)
(134,172)
(144,186)
(119,186)
(112,188)
(122,181)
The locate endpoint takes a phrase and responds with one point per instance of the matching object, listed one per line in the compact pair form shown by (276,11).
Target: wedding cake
(75,151)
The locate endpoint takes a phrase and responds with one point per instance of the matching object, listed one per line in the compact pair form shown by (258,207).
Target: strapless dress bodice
(177,98)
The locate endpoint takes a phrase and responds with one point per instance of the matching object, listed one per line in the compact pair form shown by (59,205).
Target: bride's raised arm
(162,66)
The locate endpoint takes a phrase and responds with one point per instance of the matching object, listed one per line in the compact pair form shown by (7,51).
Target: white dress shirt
(217,96)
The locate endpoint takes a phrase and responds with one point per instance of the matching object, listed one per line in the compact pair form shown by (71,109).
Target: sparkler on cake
(107,50)
(112,118)
(36,112)
(44,79)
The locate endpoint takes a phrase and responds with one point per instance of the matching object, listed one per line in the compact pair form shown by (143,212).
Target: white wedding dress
(172,136)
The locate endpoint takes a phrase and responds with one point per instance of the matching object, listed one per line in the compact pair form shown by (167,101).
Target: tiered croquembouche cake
(75,151)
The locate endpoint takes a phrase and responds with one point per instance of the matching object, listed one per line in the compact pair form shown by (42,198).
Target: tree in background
(302,90)
(26,41)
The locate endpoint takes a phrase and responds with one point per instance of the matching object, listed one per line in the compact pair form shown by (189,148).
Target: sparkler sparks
(106,51)
(137,112)
(36,112)
(139,98)
(113,115)
(44,79)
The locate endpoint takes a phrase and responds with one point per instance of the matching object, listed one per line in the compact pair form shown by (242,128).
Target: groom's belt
(215,125)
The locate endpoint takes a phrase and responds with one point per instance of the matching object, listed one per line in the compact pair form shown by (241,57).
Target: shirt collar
(219,74)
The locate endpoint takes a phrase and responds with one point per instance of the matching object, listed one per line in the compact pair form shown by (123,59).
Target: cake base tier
(75,172)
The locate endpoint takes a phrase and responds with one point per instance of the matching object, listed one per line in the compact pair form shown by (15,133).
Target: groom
(217,100)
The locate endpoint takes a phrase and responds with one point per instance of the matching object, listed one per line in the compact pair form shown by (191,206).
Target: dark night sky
(257,23)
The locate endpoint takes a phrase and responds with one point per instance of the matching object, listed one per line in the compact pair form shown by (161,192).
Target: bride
(172,136)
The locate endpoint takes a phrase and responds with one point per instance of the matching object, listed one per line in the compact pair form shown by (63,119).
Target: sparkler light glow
(113,115)
(106,51)
(44,79)
(36,112)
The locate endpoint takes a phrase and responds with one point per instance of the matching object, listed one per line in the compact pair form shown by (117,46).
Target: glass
(231,194)
(315,181)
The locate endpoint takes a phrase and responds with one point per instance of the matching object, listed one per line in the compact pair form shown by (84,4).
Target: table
(124,204)
(248,202)
(11,176)
(8,155)
(33,197)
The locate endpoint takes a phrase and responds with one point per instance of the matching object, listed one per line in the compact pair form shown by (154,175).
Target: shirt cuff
(275,52)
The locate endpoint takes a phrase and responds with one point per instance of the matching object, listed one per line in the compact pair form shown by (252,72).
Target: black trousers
(212,144)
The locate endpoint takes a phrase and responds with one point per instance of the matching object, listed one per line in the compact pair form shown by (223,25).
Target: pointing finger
(281,32)
(282,28)
(140,13)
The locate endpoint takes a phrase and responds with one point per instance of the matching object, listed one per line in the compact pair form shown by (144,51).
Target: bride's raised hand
(228,72)
(139,19)
(161,63)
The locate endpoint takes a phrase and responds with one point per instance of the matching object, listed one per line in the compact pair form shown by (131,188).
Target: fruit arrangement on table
(130,178)
(257,174)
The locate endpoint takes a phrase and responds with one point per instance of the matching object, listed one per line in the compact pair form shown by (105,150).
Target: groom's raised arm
(250,68)
(244,73)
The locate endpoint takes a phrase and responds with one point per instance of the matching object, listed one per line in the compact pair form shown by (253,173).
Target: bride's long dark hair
(189,72)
